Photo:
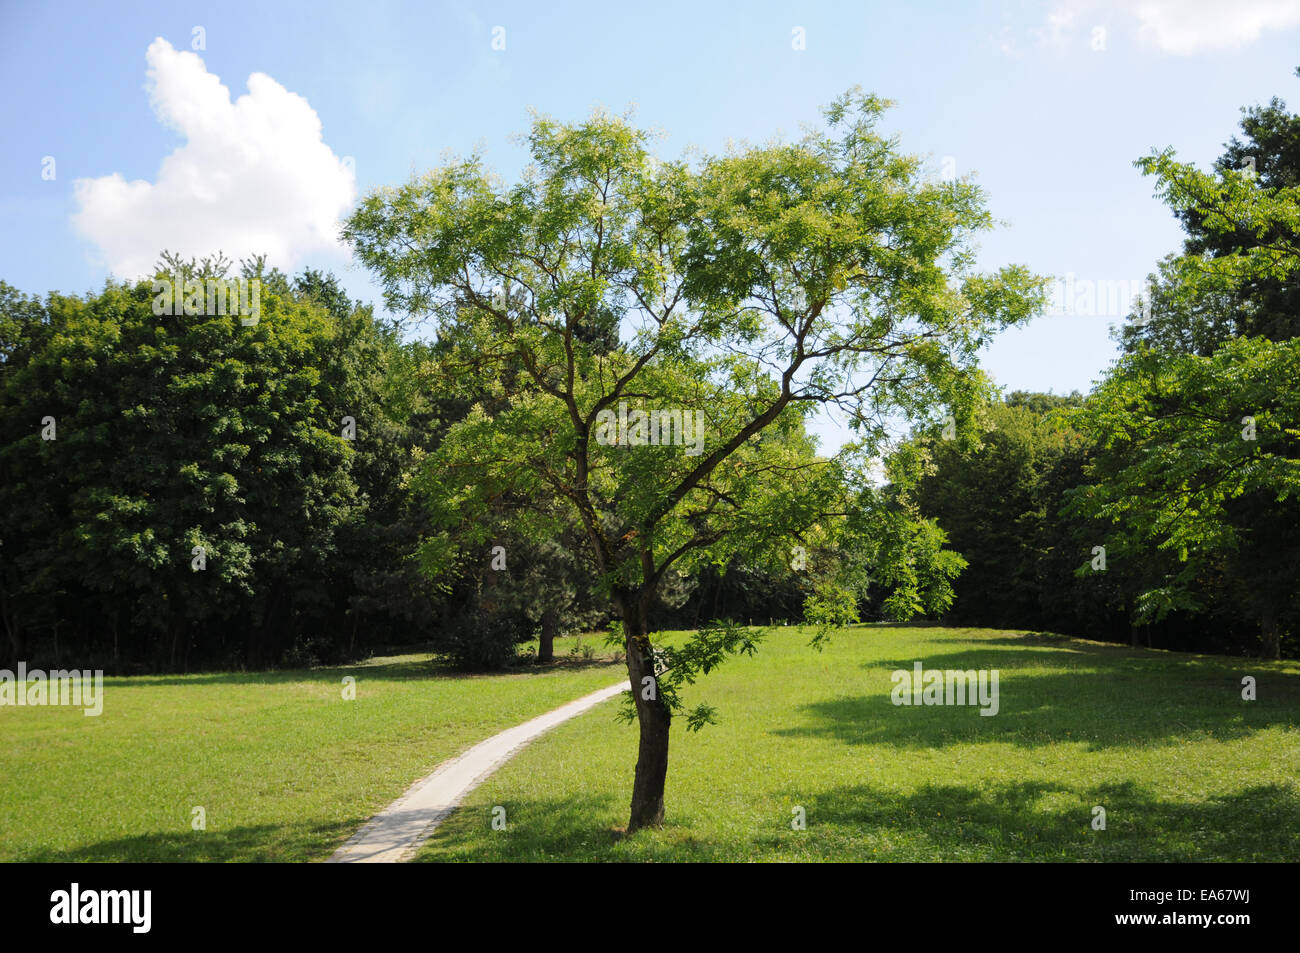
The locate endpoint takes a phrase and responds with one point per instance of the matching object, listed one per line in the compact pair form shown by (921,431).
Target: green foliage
(1236,276)
(1181,464)
(1265,220)
(542,593)
(1186,443)
(1196,428)
(187,441)
(997,490)
(482,637)
(750,288)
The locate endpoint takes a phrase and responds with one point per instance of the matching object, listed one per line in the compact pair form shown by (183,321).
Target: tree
(517,589)
(1198,458)
(997,491)
(1197,422)
(750,289)
(1267,155)
(1235,277)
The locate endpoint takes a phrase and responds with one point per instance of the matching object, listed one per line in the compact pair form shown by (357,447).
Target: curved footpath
(395,833)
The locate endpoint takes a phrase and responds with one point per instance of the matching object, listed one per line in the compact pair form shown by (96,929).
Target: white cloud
(1181,27)
(1190,26)
(253,176)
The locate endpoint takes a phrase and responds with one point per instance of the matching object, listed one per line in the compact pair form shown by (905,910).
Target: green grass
(1185,769)
(287,770)
(284,767)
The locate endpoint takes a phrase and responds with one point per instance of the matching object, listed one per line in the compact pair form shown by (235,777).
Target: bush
(483,639)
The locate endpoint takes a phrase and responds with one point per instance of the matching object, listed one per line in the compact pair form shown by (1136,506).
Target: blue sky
(1047,104)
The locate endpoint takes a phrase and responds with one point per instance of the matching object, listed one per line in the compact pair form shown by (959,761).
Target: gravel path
(395,833)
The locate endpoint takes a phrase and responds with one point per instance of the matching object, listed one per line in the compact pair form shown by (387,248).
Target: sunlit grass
(1184,768)
(284,767)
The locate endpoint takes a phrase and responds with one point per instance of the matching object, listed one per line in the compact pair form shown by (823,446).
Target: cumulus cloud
(253,176)
(1180,27)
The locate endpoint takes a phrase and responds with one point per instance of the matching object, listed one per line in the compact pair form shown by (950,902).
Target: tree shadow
(1101,700)
(1013,655)
(1033,820)
(262,843)
(567,663)
(1018,821)
(404,670)
(556,829)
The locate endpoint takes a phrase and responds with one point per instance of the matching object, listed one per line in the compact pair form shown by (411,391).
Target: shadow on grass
(1023,821)
(263,843)
(1026,653)
(1103,700)
(1043,821)
(395,671)
(527,667)
(549,830)
(1036,716)
(405,670)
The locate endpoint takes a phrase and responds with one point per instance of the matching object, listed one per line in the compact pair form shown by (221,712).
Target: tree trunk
(1271,634)
(546,640)
(16,640)
(12,630)
(262,643)
(1134,630)
(653,717)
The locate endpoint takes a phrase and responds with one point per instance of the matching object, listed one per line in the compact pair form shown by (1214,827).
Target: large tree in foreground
(747,290)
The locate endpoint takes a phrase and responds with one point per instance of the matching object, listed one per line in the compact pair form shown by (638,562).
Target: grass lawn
(284,767)
(1185,769)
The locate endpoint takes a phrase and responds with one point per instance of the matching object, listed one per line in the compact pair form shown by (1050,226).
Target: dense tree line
(1181,469)
(181,489)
